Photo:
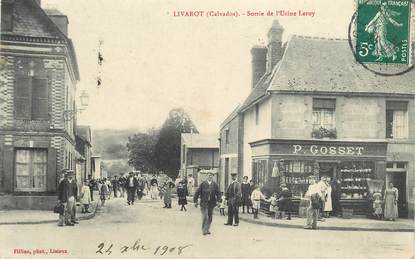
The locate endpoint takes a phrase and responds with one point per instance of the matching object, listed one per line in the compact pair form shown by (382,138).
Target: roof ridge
(317,37)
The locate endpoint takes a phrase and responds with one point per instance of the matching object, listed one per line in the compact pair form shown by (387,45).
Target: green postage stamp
(383,31)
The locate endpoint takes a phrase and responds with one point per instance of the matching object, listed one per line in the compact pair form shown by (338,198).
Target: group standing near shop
(322,197)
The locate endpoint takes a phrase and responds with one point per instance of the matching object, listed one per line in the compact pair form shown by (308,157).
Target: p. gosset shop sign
(327,150)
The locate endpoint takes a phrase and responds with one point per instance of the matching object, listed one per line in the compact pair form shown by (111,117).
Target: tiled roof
(260,89)
(200,140)
(28,21)
(84,132)
(327,65)
(230,117)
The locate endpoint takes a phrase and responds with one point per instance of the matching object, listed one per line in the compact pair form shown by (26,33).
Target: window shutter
(40,98)
(324,104)
(22,98)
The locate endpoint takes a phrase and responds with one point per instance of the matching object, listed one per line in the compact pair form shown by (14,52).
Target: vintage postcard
(207,129)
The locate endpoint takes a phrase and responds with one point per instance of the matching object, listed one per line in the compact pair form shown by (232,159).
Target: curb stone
(330,228)
(86,217)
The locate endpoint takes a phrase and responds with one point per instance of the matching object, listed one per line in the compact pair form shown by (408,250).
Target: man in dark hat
(209,194)
(131,185)
(233,196)
(67,195)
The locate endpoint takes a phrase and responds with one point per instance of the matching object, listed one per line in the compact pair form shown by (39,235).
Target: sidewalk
(332,223)
(335,223)
(29,217)
(26,217)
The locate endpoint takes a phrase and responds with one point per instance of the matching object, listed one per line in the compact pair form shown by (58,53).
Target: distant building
(38,79)
(84,146)
(96,167)
(198,151)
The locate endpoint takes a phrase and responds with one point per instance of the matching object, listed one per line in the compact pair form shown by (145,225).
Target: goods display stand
(354,188)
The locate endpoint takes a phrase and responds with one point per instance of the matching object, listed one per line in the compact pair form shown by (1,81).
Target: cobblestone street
(168,232)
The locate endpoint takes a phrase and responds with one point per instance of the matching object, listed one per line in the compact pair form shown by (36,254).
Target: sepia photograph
(191,129)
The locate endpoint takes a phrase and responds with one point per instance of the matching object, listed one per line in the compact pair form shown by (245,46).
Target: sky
(154,61)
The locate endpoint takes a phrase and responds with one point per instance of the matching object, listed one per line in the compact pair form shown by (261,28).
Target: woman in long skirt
(391,202)
(181,194)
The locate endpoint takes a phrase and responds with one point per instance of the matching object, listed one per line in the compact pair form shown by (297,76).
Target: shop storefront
(355,165)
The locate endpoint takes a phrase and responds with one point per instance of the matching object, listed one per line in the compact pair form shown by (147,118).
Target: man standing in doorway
(209,197)
(233,196)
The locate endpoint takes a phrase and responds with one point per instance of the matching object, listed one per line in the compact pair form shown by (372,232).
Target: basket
(347,213)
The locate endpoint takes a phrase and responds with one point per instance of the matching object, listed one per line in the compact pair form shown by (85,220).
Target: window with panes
(30,169)
(396,119)
(324,111)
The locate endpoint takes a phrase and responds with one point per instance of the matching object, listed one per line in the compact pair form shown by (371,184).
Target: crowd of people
(322,196)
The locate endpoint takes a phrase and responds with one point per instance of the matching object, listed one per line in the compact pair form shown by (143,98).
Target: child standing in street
(222,205)
(273,207)
(256,198)
(85,197)
(377,206)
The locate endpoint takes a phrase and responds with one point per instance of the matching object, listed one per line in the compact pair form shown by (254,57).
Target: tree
(167,150)
(117,168)
(141,150)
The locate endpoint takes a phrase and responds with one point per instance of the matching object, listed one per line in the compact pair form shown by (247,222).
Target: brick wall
(6,92)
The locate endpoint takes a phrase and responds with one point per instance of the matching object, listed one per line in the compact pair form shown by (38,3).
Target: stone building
(315,110)
(198,152)
(38,78)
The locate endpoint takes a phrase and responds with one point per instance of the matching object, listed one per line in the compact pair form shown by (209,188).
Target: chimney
(259,61)
(59,19)
(275,49)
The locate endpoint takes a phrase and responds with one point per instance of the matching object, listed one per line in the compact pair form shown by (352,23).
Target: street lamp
(70,114)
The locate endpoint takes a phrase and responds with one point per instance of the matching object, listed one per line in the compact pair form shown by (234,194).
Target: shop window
(31,99)
(30,169)
(260,172)
(396,119)
(356,179)
(298,166)
(295,175)
(7,15)
(396,166)
(324,113)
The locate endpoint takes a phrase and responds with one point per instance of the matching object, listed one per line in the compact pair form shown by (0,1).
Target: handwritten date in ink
(107,249)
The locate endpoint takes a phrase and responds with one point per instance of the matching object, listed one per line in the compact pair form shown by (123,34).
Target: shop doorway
(328,169)
(399,181)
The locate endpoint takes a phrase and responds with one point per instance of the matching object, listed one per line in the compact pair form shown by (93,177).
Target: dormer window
(7,7)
